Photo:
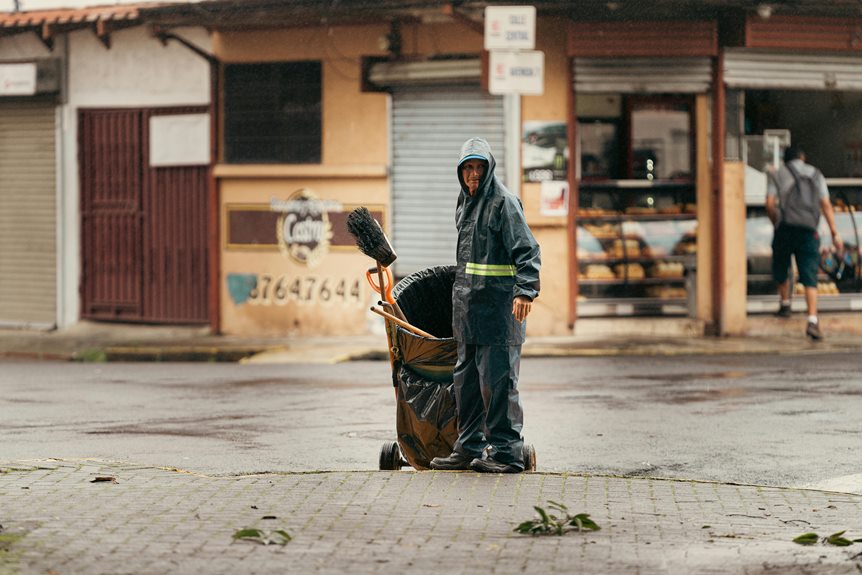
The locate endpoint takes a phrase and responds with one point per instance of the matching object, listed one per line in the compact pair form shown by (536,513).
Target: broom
(372,241)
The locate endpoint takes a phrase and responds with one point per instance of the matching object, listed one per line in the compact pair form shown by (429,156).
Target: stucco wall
(137,71)
(550,314)
(354,170)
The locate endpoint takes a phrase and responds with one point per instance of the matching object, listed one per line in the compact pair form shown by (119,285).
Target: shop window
(660,147)
(272,113)
(637,217)
(646,138)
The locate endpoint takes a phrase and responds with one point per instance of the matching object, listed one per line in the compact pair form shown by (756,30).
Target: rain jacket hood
(497,257)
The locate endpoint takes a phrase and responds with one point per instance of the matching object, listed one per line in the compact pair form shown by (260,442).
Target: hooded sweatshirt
(498,258)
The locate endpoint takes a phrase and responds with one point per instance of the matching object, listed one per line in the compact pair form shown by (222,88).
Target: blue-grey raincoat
(498,258)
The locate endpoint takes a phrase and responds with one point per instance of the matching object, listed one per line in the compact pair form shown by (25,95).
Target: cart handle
(402,323)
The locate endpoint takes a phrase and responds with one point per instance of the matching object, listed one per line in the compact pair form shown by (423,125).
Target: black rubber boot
(491,466)
(454,461)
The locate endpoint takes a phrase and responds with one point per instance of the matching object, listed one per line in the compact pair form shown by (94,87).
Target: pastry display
(667,292)
(630,271)
(624,248)
(586,212)
(599,272)
(667,270)
(823,288)
(640,210)
(626,239)
(602,231)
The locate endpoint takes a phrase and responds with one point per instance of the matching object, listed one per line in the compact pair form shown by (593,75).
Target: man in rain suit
(496,281)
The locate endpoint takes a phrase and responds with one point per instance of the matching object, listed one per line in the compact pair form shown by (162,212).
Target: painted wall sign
(17,79)
(303,228)
(266,289)
(254,226)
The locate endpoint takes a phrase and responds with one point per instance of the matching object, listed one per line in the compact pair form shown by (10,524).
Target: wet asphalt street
(766,420)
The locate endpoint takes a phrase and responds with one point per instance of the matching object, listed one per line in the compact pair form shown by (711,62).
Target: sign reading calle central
(510,27)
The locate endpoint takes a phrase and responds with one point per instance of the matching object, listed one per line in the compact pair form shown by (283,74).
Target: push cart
(426,421)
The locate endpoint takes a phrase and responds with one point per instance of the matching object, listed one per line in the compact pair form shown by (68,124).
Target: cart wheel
(529,457)
(390,456)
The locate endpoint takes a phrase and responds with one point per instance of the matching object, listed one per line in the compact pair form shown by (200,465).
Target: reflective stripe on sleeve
(490,269)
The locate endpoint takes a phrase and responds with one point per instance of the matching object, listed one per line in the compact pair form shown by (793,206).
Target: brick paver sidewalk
(57,520)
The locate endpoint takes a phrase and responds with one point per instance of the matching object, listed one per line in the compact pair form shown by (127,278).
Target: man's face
(472,172)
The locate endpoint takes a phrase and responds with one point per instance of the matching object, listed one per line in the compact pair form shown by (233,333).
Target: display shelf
(615,307)
(631,281)
(636,217)
(640,236)
(636,260)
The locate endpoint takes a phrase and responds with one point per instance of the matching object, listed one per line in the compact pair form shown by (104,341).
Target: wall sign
(510,27)
(180,140)
(545,151)
(517,73)
(303,228)
(17,79)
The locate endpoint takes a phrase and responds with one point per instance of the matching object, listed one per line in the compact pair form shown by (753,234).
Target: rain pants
(498,259)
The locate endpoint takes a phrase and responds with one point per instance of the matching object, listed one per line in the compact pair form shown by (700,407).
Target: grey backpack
(800,206)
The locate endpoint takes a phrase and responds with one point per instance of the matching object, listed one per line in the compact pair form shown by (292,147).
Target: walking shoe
(813,331)
(454,461)
(491,466)
(784,311)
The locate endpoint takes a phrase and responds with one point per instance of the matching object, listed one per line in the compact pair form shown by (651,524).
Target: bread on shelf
(602,231)
(640,210)
(590,211)
(625,248)
(633,271)
(598,272)
(667,270)
(666,292)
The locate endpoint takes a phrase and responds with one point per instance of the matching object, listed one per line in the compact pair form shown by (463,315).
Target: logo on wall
(304,231)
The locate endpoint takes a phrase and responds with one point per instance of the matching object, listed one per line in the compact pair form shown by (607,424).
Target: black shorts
(804,244)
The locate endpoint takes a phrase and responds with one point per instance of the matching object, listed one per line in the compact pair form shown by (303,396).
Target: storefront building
(104,171)
(313,114)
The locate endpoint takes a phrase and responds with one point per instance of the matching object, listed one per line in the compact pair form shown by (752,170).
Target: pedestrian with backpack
(796,196)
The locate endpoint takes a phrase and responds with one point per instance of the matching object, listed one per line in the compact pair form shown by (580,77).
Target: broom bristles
(370,237)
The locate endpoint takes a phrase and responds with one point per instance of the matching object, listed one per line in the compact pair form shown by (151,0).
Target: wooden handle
(401,322)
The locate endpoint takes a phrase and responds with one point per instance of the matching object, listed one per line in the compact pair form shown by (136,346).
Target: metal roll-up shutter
(751,69)
(643,75)
(429,125)
(27,215)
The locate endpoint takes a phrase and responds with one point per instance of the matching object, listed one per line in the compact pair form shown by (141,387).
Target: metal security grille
(429,125)
(28,260)
(643,75)
(752,69)
(144,229)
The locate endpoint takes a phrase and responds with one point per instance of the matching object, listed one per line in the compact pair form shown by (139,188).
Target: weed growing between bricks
(549,523)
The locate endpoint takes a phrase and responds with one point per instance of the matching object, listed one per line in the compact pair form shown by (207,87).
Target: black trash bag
(425,297)
(426,419)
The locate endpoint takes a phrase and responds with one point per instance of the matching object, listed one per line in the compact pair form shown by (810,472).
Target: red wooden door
(144,229)
(111,174)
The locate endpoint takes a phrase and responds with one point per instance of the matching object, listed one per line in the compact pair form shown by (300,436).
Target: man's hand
(521,307)
(838,243)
